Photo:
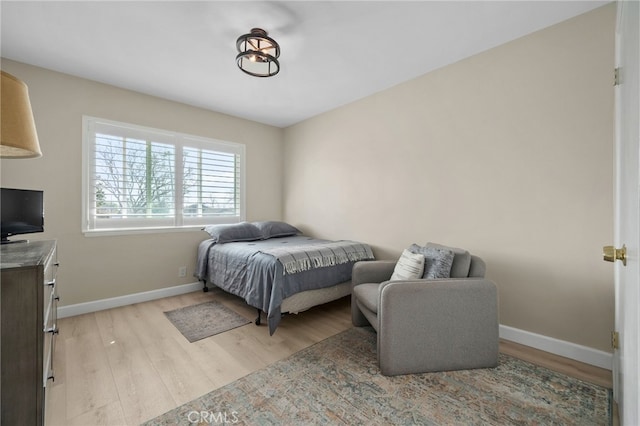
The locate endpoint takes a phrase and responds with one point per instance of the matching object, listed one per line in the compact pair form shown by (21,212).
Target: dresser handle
(57,264)
(51,283)
(52,330)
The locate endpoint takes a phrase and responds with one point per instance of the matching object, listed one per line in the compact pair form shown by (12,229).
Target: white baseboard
(558,347)
(548,344)
(129,299)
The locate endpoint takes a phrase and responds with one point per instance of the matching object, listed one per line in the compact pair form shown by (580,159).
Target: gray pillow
(437,263)
(272,228)
(243,231)
(461,260)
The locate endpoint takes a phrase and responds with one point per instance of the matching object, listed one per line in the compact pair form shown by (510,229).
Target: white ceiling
(333,52)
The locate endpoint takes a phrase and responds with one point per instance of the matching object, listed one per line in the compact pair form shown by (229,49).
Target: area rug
(337,381)
(204,320)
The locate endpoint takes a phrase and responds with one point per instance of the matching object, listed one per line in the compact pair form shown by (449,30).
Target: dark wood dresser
(28,315)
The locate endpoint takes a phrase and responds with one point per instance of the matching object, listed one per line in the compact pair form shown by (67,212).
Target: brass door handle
(611,254)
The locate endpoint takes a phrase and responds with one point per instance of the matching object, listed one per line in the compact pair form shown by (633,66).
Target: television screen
(21,212)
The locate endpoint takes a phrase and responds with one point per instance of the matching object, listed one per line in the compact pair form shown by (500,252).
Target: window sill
(136,231)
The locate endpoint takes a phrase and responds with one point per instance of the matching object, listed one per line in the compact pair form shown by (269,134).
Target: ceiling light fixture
(258,54)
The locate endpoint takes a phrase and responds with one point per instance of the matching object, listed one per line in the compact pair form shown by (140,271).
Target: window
(139,178)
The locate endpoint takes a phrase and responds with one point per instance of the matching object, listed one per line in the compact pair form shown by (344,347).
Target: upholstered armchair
(428,325)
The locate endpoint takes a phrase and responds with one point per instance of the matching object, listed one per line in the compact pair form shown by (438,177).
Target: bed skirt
(307,299)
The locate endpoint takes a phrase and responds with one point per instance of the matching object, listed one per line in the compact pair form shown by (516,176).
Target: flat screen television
(21,212)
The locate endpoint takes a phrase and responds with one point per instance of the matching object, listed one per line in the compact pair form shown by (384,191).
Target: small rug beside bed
(207,319)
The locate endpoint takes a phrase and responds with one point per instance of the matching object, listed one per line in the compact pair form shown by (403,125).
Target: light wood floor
(127,365)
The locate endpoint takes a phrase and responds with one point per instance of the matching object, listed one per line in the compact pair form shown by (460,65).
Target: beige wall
(95,268)
(508,154)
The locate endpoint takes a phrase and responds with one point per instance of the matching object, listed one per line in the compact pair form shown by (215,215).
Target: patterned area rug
(337,381)
(205,319)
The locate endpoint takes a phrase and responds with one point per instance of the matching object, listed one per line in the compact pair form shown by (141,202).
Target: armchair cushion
(368,294)
(461,260)
(409,267)
(437,261)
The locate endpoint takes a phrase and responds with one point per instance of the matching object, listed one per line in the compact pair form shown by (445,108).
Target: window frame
(179,222)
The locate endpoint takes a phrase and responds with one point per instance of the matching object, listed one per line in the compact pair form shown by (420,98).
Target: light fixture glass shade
(18,136)
(258,54)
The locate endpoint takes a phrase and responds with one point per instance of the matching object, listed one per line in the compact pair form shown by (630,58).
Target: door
(627,206)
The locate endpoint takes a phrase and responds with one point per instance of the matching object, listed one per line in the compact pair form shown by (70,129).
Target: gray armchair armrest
(433,325)
(372,271)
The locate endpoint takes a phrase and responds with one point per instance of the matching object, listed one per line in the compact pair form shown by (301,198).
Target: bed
(275,268)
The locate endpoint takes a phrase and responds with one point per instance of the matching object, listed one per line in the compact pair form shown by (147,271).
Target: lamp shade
(18,136)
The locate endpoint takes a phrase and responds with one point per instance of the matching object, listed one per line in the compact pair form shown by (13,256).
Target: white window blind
(139,178)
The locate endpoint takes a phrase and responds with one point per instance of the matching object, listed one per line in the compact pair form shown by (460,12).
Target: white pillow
(410,266)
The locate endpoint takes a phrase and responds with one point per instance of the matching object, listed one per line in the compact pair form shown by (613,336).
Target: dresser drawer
(51,268)
(47,358)
(51,307)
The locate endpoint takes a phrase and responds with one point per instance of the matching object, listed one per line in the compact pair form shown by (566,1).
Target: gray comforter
(254,270)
